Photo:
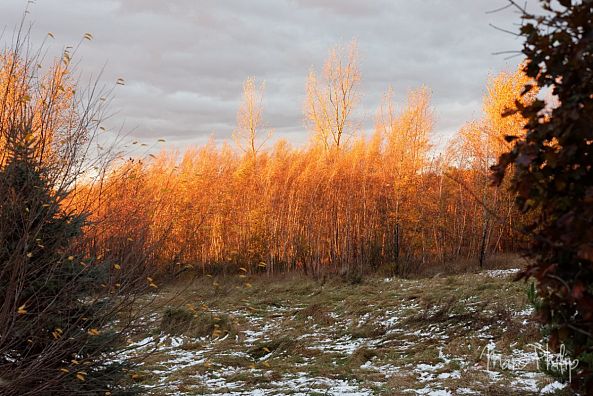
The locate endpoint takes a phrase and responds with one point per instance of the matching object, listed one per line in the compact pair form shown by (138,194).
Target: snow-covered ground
(436,337)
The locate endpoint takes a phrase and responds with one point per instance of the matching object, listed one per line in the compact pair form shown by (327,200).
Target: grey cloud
(184,61)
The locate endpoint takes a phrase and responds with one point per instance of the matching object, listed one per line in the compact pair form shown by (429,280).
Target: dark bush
(553,175)
(52,321)
(63,311)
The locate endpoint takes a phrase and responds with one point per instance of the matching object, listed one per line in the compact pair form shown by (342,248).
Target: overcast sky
(184,61)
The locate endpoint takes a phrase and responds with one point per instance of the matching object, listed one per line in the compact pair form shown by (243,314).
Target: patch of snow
(501,273)
(335,387)
(466,391)
(529,384)
(453,375)
(390,319)
(494,376)
(176,342)
(345,344)
(527,311)
(552,388)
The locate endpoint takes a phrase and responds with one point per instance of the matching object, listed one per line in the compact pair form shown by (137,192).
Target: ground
(468,334)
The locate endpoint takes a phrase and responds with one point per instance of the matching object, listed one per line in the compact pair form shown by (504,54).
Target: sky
(184,61)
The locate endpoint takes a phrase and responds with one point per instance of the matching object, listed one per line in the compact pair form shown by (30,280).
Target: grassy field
(385,336)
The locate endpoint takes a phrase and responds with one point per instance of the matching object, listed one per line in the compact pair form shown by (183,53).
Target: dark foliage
(553,175)
(53,320)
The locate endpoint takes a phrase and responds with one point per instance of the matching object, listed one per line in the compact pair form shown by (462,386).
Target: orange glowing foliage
(378,202)
(49,101)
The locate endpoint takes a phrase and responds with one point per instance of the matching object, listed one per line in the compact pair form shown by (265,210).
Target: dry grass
(189,322)
(386,337)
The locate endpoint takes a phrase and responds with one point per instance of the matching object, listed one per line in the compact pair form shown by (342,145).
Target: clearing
(386,336)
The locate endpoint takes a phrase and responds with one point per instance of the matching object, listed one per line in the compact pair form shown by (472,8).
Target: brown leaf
(585,252)
(577,290)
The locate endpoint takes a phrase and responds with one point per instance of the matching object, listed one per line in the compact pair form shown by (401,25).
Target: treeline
(346,203)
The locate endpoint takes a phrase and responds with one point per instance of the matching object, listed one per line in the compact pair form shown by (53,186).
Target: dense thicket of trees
(553,174)
(344,203)
(347,202)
